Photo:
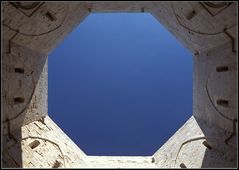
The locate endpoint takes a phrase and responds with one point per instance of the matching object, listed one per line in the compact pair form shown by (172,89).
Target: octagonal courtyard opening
(120,84)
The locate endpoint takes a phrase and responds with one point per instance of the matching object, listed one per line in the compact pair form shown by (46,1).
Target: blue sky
(120,84)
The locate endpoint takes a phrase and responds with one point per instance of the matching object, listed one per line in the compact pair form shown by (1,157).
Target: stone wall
(189,147)
(31,30)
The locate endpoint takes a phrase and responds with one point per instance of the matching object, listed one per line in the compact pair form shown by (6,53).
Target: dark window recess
(222,69)
(50,16)
(56,164)
(153,160)
(182,165)
(222,102)
(205,143)
(19,100)
(34,144)
(19,70)
(191,15)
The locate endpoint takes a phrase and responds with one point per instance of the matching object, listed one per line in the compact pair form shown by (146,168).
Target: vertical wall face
(49,146)
(215,87)
(40,26)
(198,26)
(24,87)
(30,33)
(190,147)
(31,30)
(209,31)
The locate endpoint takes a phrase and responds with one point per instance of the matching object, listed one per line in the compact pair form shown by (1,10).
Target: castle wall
(31,30)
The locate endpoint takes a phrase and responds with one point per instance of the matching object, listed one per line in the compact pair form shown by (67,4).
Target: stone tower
(31,30)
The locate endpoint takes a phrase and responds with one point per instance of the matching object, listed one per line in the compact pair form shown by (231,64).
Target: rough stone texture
(120,162)
(25,79)
(186,146)
(201,31)
(54,146)
(215,73)
(42,144)
(46,26)
(31,30)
